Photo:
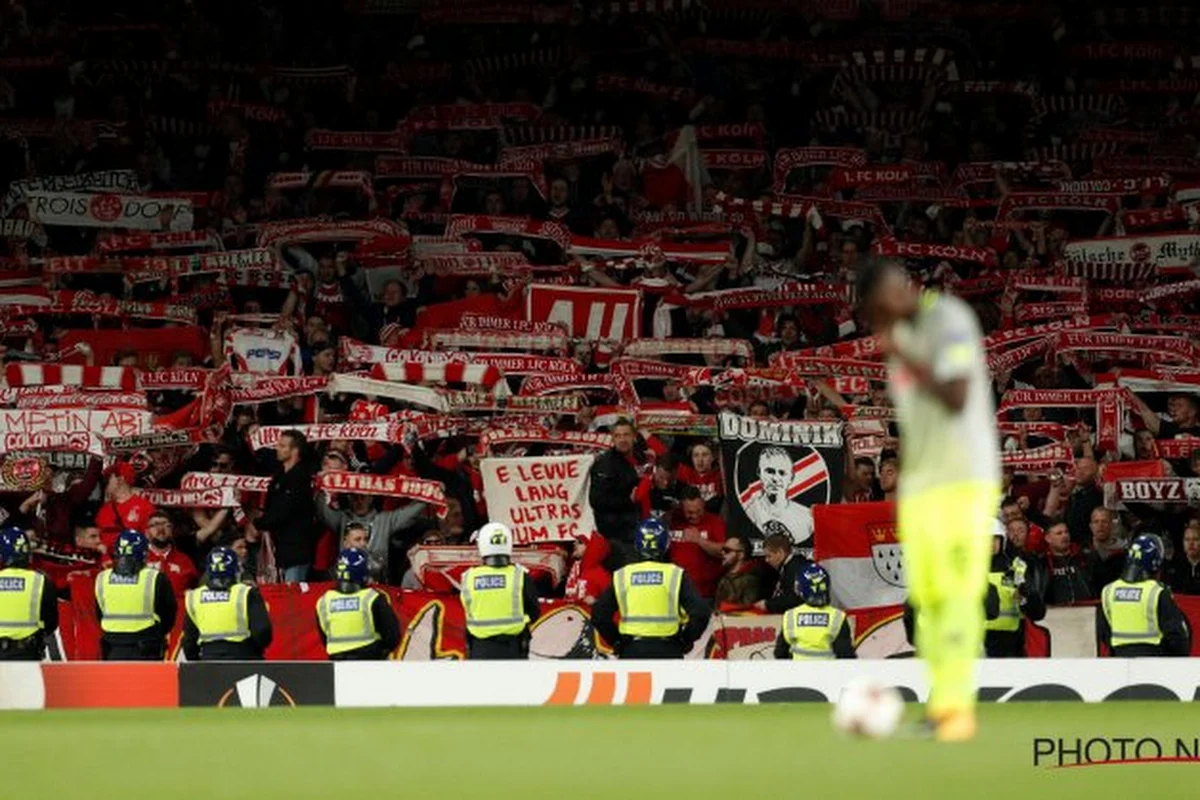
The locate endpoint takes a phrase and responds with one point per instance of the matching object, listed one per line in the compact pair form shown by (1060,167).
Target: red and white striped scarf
(1039,460)
(550,384)
(458,339)
(485,375)
(123,379)
(203,481)
(400,486)
(710,348)
(268,435)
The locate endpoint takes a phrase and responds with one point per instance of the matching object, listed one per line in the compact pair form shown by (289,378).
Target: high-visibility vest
(1010,605)
(648,597)
(221,615)
(20,603)
(346,620)
(1132,611)
(494,601)
(127,601)
(811,630)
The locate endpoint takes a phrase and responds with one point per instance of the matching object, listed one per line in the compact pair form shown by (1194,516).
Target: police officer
(225,620)
(652,596)
(814,629)
(28,602)
(1137,616)
(135,604)
(356,622)
(499,599)
(1009,597)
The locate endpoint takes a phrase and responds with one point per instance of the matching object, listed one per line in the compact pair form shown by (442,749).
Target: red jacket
(134,513)
(703,570)
(178,568)
(709,483)
(588,578)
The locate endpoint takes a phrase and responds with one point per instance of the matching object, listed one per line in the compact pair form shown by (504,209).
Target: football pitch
(729,751)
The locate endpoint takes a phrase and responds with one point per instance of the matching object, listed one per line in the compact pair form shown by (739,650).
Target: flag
(856,543)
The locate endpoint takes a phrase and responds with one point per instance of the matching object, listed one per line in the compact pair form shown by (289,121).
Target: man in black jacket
(779,553)
(1184,570)
(288,511)
(613,484)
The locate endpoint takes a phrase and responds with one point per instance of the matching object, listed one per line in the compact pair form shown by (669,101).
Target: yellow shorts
(946,532)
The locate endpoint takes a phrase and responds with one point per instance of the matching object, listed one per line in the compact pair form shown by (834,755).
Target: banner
(1165,252)
(112,422)
(856,543)
(199,481)
(268,435)
(775,472)
(110,211)
(542,499)
(614,314)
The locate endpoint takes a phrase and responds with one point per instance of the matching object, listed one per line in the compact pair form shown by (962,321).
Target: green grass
(730,752)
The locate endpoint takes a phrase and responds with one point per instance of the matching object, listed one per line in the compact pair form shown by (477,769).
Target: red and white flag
(856,543)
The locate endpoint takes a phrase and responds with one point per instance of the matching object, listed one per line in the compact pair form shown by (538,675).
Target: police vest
(127,601)
(20,603)
(493,598)
(346,620)
(1132,611)
(811,630)
(221,615)
(1010,605)
(648,597)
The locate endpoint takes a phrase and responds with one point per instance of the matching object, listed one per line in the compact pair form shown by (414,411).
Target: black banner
(257,684)
(775,472)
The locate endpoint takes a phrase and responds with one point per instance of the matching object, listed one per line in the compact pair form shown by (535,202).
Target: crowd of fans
(159,89)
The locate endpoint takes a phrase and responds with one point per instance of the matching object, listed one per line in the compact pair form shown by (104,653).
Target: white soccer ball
(868,708)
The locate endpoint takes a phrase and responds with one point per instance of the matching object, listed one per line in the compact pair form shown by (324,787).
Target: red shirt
(178,568)
(703,570)
(709,483)
(134,513)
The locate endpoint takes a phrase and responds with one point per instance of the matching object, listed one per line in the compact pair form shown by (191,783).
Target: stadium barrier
(541,683)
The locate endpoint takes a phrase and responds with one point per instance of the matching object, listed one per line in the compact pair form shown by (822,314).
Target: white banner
(543,499)
(122,181)
(136,212)
(1166,251)
(109,423)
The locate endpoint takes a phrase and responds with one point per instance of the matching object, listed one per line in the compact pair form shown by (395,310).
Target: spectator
(411,578)
(49,510)
(889,475)
(1066,569)
(697,536)
(288,509)
(123,508)
(1184,413)
(701,471)
(860,481)
(1183,572)
(1017,534)
(1074,498)
(788,564)
(614,482)
(739,576)
(380,526)
(1106,555)
(658,492)
(166,557)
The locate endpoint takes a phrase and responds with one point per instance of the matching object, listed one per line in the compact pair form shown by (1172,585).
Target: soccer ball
(867,708)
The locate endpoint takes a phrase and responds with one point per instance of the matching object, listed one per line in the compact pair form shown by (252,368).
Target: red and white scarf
(504,436)
(204,481)
(399,486)
(123,379)
(485,375)
(1039,460)
(268,435)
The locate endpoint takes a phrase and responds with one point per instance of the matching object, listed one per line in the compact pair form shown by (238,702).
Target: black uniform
(629,647)
(508,648)
(784,596)
(250,650)
(1176,636)
(386,625)
(147,645)
(32,647)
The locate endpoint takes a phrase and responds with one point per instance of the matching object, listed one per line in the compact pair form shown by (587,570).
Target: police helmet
(652,540)
(494,539)
(812,584)
(222,568)
(14,547)
(352,566)
(1146,553)
(132,547)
